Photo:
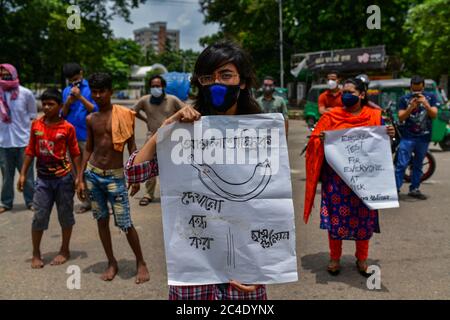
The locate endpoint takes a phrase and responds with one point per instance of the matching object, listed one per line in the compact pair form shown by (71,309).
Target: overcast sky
(183,15)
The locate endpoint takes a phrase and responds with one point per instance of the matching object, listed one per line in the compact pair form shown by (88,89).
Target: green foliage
(35,38)
(173,60)
(128,51)
(307,26)
(122,54)
(118,70)
(428,27)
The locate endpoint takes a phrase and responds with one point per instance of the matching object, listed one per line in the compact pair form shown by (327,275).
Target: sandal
(31,208)
(361,265)
(3,209)
(145,201)
(334,267)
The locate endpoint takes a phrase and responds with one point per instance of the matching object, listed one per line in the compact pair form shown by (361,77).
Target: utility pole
(280,10)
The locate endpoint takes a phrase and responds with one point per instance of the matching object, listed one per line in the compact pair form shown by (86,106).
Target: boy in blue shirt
(78,103)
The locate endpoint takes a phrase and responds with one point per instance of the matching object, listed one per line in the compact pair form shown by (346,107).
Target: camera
(75,84)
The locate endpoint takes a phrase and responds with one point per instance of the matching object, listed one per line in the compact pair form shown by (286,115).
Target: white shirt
(17,133)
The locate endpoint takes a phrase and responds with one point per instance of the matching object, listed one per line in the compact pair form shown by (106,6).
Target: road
(412,250)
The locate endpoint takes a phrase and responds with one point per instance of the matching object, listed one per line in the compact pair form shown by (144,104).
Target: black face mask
(220,96)
(157,100)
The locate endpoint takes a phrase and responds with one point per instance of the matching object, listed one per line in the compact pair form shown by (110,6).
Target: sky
(183,15)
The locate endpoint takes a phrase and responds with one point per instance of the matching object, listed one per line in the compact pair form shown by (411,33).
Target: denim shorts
(109,187)
(48,192)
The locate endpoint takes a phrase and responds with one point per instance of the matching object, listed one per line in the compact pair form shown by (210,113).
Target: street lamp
(280,11)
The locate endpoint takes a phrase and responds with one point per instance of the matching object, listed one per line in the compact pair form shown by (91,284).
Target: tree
(127,51)
(173,60)
(428,50)
(307,26)
(35,38)
(122,53)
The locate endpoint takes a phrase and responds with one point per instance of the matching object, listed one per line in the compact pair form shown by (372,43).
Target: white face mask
(156,92)
(332,84)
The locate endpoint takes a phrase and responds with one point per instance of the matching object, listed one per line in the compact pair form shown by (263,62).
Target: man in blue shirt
(416,110)
(78,103)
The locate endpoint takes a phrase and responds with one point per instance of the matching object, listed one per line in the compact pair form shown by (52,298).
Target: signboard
(227,201)
(356,59)
(362,158)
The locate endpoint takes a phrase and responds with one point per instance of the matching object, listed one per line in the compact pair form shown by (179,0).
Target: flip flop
(362,269)
(145,201)
(334,270)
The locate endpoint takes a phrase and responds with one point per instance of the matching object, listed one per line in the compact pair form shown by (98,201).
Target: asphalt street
(412,250)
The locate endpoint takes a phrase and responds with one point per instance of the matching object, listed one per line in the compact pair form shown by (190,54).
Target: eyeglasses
(224,78)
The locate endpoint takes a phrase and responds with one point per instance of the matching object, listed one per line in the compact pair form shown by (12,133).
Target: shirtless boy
(103,177)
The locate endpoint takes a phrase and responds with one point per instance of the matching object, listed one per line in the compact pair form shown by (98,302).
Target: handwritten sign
(362,158)
(227,201)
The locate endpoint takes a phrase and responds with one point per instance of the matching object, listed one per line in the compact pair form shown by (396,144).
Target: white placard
(362,157)
(227,201)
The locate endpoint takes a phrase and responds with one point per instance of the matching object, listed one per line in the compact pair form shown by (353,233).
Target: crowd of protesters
(79,142)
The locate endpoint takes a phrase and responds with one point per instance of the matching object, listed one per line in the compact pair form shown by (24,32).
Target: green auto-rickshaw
(311,112)
(384,91)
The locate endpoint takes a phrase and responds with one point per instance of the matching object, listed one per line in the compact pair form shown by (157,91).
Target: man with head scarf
(17,110)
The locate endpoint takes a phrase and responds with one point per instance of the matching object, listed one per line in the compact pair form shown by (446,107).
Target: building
(157,36)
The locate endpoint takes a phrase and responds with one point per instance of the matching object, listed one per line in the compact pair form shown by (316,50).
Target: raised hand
(75,92)
(186,114)
(390,131)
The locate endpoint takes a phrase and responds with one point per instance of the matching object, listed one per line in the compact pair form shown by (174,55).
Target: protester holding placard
(224,77)
(342,212)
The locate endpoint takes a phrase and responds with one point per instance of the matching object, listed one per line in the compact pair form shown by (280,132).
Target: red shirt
(329,99)
(49,143)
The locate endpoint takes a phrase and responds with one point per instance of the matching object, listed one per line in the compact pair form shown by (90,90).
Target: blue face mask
(221,97)
(349,100)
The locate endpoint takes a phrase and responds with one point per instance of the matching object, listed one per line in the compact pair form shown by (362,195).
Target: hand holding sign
(362,158)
